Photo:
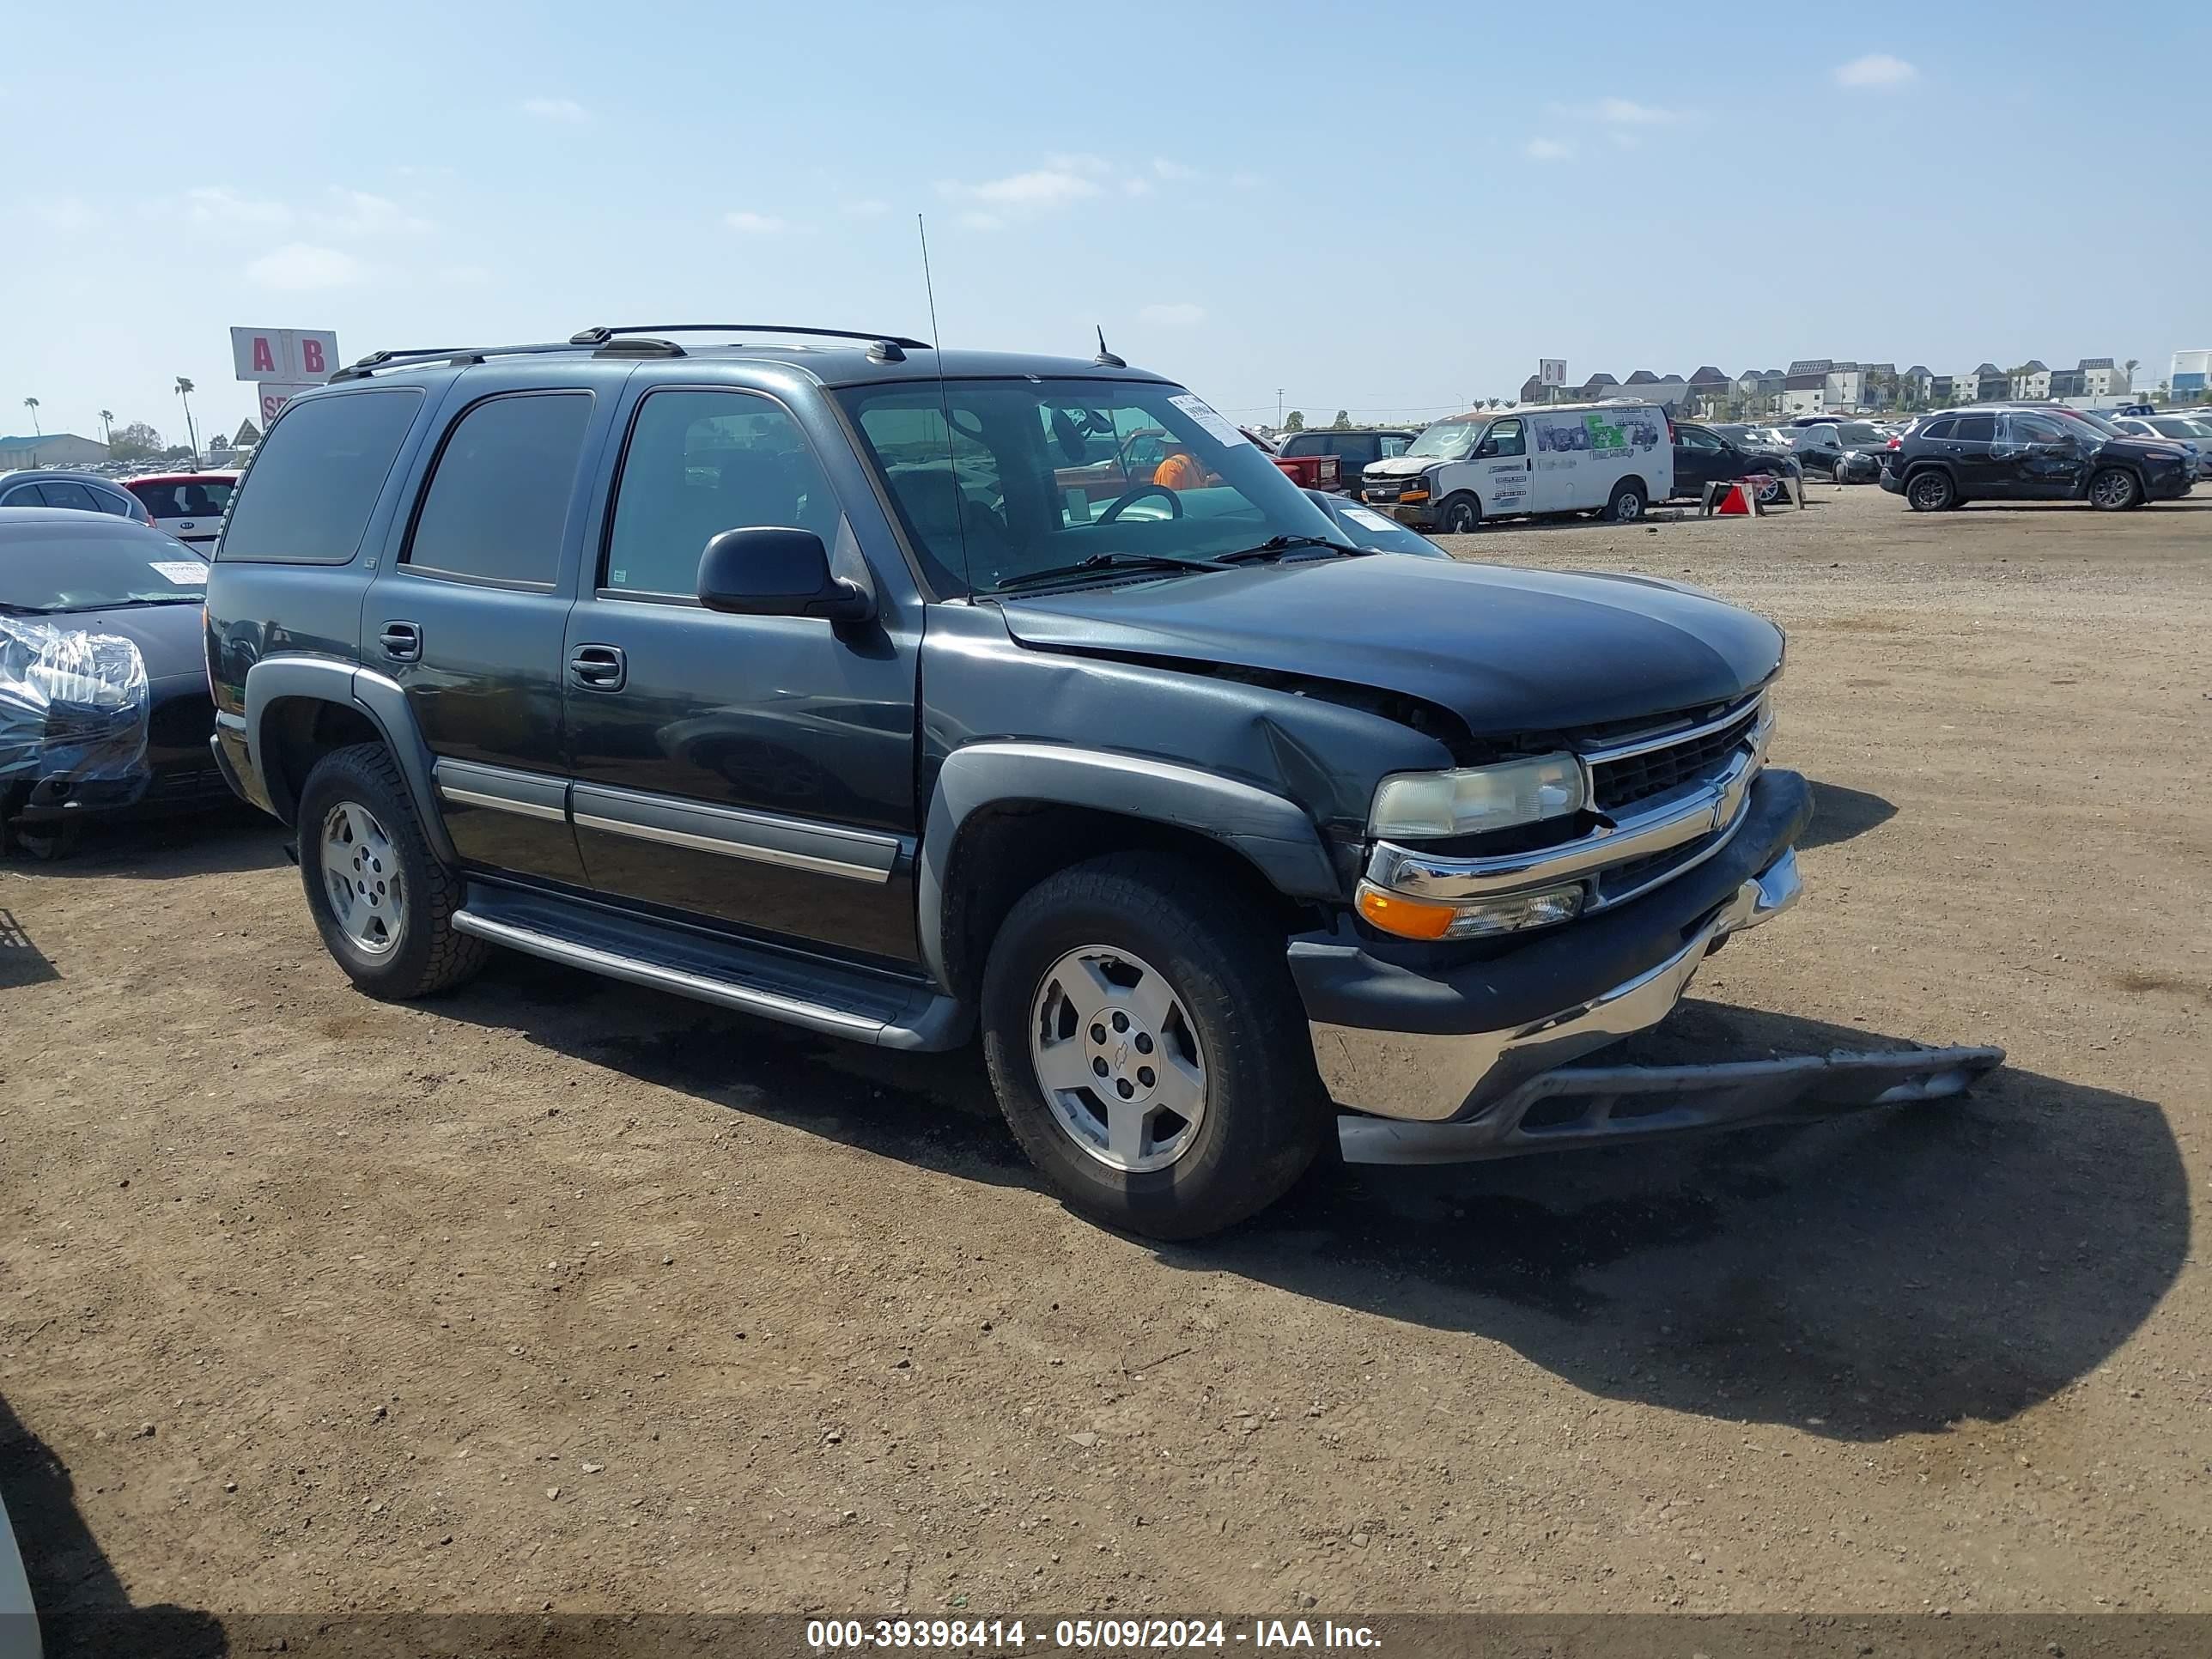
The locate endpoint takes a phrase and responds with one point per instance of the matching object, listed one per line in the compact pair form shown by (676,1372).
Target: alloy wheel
(1117,1056)
(360,875)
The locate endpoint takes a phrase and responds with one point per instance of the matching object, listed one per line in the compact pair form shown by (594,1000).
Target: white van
(1558,457)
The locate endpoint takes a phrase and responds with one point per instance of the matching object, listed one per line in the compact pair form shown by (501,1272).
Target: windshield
(1859,432)
(1447,440)
(2095,420)
(1036,475)
(1364,527)
(2187,431)
(47,566)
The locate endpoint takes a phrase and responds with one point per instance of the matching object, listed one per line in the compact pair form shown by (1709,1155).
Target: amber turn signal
(1409,918)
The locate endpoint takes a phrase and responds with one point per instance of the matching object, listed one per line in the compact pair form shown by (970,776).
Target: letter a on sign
(264,360)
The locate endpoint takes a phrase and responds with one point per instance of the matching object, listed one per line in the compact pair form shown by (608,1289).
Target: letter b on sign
(311,356)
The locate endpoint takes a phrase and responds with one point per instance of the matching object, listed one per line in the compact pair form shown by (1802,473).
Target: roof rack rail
(890,348)
(361,369)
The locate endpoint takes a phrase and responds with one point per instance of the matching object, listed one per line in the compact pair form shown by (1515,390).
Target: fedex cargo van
(1558,457)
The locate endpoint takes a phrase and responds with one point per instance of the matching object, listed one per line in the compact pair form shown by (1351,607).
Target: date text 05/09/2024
(1081,1635)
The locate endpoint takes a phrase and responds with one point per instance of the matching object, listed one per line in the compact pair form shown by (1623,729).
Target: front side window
(699,463)
(1504,438)
(996,479)
(2036,429)
(1698,438)
(1306,443)
(498,501)
(316,477)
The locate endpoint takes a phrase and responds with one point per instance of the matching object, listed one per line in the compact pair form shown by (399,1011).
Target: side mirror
(1486,449)
(770,571)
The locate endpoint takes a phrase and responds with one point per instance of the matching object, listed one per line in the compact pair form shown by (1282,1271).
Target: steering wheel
(1114,507)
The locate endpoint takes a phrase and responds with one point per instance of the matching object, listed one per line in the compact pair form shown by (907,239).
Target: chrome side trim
(792,843)
(1630,747)
(1681,818)
(526,794)
(1432,1078)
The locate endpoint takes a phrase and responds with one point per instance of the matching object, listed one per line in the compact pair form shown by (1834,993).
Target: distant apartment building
(2187,378)
(2031,379)
(1806,394)
(1918,385)
(1845,385)
(1760,389)
(2100,378)
(1987,384)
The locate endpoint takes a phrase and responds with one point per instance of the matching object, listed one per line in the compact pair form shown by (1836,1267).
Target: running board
(1606,1105)
(836,1001)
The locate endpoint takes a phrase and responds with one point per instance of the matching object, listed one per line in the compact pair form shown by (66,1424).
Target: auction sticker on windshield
(180,572)
(1360,515)
(1204,414)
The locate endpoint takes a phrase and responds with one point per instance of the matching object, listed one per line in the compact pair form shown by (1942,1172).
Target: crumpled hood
(170,638)
(1508,651)
(1402,466)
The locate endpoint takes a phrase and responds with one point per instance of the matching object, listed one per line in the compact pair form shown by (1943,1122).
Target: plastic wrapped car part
(72,705)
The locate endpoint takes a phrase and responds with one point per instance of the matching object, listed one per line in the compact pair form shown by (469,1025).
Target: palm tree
(2132,363)
(184,389)
(107,426)
(32,403)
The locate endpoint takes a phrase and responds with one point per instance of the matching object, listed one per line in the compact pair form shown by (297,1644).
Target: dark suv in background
(821,682)
(1355,450)
(1704,454)
(1956,456)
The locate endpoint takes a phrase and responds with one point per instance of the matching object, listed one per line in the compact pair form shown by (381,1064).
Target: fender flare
(321,680)
(1274,833)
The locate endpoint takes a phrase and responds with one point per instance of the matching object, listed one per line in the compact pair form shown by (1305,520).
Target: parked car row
(2045,451)
(187,505)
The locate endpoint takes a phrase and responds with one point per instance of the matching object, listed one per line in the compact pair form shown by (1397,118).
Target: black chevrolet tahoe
(888,693)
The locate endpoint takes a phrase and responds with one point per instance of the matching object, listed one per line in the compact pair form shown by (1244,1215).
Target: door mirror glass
(776,571)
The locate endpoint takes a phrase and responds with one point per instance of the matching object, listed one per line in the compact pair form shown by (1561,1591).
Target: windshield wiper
(1115,560)
(1278,544)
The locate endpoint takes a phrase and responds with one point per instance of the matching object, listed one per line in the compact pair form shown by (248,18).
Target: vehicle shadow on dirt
(1888,1273)
(82,1607)
(1842,814)
(215,840)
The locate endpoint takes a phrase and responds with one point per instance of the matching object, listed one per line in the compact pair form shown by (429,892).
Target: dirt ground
(557,1294)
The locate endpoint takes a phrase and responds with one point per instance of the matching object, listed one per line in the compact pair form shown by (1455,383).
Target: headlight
(1466,802)
(1432,918)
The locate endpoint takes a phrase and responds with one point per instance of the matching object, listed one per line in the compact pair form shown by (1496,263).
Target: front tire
(1627,502)
(1462,515)
(2115,489)
(1148,1048)
(1931,491)
(382,902)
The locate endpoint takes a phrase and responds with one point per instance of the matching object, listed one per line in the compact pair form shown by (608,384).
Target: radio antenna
(945,402)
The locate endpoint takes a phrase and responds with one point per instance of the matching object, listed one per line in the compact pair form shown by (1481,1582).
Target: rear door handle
(402,641)
(601,667)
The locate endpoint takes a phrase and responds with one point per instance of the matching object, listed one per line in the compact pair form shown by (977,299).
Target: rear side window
(498,499)
(1305,444)
(317,477)
(57,493)
(1975,429)
(1936,429)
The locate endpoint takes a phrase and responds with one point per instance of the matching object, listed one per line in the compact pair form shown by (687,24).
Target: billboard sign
(1551,370)
(289,356)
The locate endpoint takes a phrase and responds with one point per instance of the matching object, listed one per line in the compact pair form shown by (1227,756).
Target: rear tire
(1462,515)
(359,838)
(1627,503)
(1137,973)
(2115,489)
(1931,491)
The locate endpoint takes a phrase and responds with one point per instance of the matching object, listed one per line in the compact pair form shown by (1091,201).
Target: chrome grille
(1628,780)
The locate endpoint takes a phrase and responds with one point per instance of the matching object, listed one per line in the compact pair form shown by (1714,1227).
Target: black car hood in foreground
(171,638)
(1507,651)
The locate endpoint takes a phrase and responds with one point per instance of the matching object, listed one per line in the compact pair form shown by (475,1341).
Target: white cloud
(1041,189)
(868,207)
(1877,69)
(218,204)
(357,213)
(1625,113)
(557,109)
(1624,140)
(976,221)
(1548,149)
(1097,167)
(62,213)
(1181,314)
(1136,187)
(298,267)
(1168,169)
(756,224)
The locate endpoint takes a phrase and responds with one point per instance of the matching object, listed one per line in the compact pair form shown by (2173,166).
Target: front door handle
(601,667)
(402,641)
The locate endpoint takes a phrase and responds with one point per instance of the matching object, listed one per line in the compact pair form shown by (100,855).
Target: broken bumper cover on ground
(1398,1042)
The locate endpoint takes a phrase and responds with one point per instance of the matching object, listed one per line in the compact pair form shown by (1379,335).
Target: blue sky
(1385,208)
